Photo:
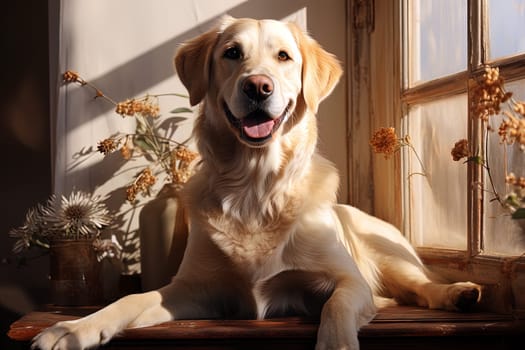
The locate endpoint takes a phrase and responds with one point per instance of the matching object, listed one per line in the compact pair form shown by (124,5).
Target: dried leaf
(181,110)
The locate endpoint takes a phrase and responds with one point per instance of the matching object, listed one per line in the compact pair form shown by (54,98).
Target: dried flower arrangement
(489,98)
(164,154)
(80,216)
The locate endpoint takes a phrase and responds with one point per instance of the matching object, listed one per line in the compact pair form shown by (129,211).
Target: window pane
(437,39)
(506,27)
(502,234)
(437,202)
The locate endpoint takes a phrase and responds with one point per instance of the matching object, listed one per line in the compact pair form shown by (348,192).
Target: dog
(266,237)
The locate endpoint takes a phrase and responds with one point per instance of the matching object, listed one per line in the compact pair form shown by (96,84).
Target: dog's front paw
(463,295)
(340,323)
(77,334)
(335,337)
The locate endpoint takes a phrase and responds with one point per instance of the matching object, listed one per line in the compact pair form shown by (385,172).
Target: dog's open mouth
(257,127)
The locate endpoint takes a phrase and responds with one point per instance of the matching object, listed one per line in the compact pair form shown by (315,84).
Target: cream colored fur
(266,236)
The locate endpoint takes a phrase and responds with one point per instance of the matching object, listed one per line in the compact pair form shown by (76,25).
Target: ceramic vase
(163,233)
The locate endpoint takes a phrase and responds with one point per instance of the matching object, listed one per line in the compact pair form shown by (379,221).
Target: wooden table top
(399,321)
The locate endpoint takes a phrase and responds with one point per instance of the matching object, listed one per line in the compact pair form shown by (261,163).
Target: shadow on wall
(155,65)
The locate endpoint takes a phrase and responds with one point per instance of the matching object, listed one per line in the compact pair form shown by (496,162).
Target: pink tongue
(258,131)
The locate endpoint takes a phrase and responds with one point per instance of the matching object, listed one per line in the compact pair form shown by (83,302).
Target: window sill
(393,327)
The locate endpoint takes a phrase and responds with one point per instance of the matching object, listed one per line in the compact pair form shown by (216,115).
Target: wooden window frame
(379,98)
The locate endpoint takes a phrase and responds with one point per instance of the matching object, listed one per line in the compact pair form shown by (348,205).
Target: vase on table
(521,224)
(163,234)
(74,273)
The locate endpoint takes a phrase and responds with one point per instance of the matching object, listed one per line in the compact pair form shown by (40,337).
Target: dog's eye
(233,53)
(283,56)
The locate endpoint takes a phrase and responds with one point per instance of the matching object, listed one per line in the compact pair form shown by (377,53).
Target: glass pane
(502,234)
(437,202)
(506,27)
(437,39)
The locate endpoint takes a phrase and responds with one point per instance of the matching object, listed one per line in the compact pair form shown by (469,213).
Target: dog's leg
(396,266)
(317,246)
(99,327)
(180,299)
(408,281)
(346,311)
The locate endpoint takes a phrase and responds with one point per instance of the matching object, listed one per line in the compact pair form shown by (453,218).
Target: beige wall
(327,23)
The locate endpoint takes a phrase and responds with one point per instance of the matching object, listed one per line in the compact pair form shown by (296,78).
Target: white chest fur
(254,251)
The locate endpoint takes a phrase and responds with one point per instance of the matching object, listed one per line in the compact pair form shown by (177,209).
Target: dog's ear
(193,64)
(321,70)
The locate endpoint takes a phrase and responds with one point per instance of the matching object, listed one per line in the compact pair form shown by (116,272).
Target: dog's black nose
(257,87)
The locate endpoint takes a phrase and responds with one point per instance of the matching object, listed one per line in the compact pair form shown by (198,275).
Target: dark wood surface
(394,327)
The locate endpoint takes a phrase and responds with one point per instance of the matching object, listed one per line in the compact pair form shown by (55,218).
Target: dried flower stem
(406,142)
(146,138)
(486,165)
(171,94)
(488,97)
(73,77)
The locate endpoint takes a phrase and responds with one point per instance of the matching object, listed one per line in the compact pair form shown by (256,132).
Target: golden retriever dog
(266,237)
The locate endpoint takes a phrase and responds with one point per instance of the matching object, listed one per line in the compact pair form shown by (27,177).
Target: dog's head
(256,75)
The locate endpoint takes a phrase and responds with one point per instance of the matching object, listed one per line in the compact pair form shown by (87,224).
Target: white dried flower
(78,216)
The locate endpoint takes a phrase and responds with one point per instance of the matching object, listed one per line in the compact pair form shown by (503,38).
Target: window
(435,42)
(423,61)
